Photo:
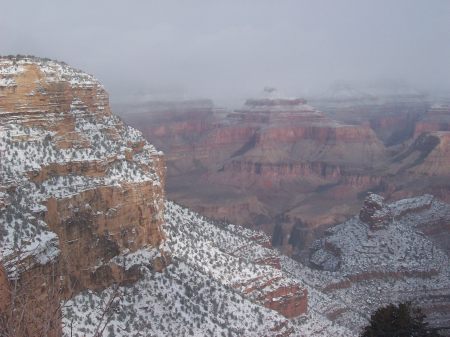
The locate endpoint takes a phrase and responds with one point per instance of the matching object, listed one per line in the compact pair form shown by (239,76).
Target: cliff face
(78,188)
(174,127)
(437,118)
(270,159)
(282,166)
(391,112)
(83,212)
(289,144)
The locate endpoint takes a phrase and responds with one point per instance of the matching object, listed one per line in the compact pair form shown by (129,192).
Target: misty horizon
(231,51)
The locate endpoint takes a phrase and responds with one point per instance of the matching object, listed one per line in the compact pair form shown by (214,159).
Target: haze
(230,50)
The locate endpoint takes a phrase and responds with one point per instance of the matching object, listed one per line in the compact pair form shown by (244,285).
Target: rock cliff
(270,159)
(437,118)
(88,242)
(391,111)
(78,187)
(83,216)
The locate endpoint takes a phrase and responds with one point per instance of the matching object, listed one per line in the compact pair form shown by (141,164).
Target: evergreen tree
(401,320)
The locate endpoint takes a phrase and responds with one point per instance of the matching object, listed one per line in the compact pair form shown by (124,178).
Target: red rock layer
(290,301)
(269,156)
(437,118)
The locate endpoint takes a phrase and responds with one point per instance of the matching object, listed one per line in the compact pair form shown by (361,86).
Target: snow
(179,302)
(29,145)
(394,264)
(198,294)
(220,272)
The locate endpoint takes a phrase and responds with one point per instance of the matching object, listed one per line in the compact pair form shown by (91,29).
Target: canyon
(282,166)
(83,210)
(92,245)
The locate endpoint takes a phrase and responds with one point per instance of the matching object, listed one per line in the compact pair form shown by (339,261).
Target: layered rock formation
(390,109)
(422,167)
(87,236)
(375,213)
(82,207)
(362,268)
(78,187)
(284,167)
(174,127)
(271,159)
(437,118)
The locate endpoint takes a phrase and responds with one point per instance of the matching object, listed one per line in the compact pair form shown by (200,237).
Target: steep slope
(220,270)
(223,282)
(77,188)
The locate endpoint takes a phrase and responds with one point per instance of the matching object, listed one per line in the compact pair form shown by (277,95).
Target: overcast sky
(232,49)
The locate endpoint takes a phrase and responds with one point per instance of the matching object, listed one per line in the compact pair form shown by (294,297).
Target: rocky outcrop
(78,188)
(437,118)
(401,261)
(375,213)
(325,255)
(290,301)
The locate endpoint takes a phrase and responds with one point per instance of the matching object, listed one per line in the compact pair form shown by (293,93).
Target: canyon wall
(78,188)
(283,166)
(270,159)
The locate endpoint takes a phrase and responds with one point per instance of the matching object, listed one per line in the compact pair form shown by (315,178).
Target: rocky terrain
(90,246)
(282,166)
(268,164)
(384,255)
(378,257)
(390,109)
(83,212)
(77,188)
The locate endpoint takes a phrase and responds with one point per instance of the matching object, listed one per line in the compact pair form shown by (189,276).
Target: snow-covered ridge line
(54,71)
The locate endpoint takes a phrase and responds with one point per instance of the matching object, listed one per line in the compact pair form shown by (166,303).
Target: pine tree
(401,320)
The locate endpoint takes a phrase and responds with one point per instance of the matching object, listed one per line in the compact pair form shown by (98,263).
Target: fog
(229,50)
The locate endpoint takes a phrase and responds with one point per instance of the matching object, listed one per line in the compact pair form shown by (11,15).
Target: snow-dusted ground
(29,143)
(53,70)
(378,267)
(197,294)
(219,271)
(181,301)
